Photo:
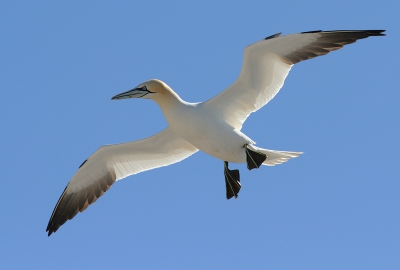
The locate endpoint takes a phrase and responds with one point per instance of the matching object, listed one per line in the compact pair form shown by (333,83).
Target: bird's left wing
(267,63)
(111,163)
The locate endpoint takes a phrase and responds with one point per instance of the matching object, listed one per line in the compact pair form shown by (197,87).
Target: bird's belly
(213,137)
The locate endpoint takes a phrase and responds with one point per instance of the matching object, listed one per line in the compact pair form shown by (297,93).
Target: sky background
(335,207)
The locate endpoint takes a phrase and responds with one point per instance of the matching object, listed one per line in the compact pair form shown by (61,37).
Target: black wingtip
(376,32)
(50,231)
(83,163)
(367,32)
(50,226)
(309,32)
(273,36)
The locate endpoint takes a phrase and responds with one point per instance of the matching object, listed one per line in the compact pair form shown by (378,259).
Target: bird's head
(151,89)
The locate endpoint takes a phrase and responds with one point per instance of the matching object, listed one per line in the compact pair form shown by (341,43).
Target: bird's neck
(172,105)
(169,100)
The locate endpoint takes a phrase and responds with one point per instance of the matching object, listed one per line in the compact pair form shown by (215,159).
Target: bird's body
(205,129)
(213,126)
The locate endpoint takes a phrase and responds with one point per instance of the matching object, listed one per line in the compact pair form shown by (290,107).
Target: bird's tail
(275,157)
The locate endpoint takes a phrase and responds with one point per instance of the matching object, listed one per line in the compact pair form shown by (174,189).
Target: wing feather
(111,163)
(267,63)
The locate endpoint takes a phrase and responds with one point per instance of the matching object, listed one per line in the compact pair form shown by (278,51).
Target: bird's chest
(193,125)
(206,132)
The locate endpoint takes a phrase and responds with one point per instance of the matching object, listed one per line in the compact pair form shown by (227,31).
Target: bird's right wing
(267,63)
(111,163)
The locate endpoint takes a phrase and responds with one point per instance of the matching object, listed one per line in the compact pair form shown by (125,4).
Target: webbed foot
(254,159)
(232,181)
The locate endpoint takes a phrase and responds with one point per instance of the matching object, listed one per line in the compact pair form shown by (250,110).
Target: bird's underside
(266,64)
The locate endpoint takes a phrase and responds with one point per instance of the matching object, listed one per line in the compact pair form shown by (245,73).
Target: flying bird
(212,126)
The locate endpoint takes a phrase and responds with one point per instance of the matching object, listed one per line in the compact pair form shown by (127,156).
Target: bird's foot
(254,159)
(232,181)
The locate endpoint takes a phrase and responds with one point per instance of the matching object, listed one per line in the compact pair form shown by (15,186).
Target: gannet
(212,126)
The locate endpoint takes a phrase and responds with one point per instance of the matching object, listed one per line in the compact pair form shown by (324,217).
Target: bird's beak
(134,93)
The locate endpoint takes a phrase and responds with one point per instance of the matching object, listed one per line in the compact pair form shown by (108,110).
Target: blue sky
(335,207)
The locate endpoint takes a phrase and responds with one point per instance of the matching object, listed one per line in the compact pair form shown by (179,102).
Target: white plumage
(213,127)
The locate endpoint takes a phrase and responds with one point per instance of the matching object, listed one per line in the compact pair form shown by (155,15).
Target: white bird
(212,126)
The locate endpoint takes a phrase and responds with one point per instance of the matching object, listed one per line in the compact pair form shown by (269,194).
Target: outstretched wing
(114,162)
(267,63)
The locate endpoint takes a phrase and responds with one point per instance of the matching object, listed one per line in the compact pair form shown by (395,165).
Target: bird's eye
(144,88)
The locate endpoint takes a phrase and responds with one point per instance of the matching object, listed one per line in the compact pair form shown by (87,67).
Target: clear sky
(335,207)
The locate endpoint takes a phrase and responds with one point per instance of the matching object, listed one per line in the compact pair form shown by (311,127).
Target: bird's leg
(232,181)
(254,159)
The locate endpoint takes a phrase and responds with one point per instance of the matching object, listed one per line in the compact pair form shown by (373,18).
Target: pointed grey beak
(134,93)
